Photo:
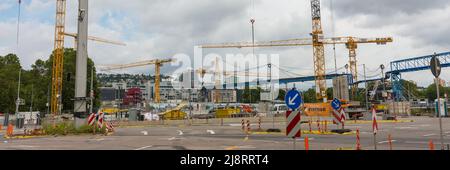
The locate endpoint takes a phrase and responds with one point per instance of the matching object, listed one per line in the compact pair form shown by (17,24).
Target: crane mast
(318,51)
(157,62)
(58,57)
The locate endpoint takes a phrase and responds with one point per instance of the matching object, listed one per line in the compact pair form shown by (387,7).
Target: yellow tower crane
(57,65)
(350,42)
(157,62)
(318,42)
(58,59)
(92,38)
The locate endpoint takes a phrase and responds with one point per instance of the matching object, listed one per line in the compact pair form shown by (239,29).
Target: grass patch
(68,128)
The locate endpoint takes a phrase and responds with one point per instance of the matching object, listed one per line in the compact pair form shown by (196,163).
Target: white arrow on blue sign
(293,99)
(336,104)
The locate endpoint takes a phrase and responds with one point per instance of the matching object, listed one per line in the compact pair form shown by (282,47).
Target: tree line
(35,85)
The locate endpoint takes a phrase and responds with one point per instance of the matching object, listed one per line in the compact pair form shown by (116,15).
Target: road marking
(235,124)
(144,132)
(447,132)
(407,127)
(416,142)
(299,139)
(174,138)
(210,132)
(180,132)
(231,148)
(239,147)
(386,141)
(144,147)
(432,134)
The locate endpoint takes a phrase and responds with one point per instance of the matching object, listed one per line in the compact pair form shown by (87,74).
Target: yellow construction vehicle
(175,113)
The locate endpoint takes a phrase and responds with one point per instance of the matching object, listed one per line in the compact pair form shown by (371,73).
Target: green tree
(9,78)
(281,94)
(432,91)
(309,96)
(36,83)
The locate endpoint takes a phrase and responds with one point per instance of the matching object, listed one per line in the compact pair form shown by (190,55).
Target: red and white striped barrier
(100,120)
(358,142)
(293,129)
(109,126)
(91,119)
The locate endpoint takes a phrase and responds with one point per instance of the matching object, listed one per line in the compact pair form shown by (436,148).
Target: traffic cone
(10,130)
(306,143)
(431,145)
(358,142)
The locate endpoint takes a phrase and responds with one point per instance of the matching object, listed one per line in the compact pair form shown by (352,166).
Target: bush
(67,128)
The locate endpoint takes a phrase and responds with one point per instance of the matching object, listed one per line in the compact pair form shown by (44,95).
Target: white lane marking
(144,132)
(180,132)
(174,138)
(407,127)
(447,132)
(143,147)
(416,142)
(432,134)
(386,141)
(247,147)
(25,146)
(235,124)
(300,139)
(210,132)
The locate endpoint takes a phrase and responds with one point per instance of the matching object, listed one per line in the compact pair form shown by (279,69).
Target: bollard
(1,127)
(390,142)
(248,126)
(306,143)
(243,125)
(326,126)
(431,145)
(318,126)
(259,123)
(358,144)
(309,122)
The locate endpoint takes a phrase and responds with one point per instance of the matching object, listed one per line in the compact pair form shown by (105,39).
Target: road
(178,135)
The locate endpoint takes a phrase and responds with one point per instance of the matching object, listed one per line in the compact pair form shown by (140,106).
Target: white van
(279,109)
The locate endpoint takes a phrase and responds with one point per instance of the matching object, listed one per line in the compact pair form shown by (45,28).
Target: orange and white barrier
(358,142)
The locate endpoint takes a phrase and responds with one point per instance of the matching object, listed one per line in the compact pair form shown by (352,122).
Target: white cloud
(161,29)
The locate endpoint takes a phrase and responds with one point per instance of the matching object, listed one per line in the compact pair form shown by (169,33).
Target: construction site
(353,90)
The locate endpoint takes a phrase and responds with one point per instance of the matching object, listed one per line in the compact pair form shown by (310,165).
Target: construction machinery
(175,113)
(57,65)
(157,62)
(58,55)
(92,38)
(318,42)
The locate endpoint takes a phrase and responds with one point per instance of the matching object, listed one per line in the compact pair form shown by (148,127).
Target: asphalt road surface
(179,135)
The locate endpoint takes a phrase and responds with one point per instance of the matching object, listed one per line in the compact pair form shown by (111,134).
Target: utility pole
(18,96)
(439,112)
(81,65)
(367,87)
(92,91)
(31,105)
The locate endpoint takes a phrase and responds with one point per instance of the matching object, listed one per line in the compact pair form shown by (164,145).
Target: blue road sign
(336,104)
(293,99)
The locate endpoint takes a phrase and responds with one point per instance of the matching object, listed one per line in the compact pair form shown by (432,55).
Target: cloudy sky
(162,28)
